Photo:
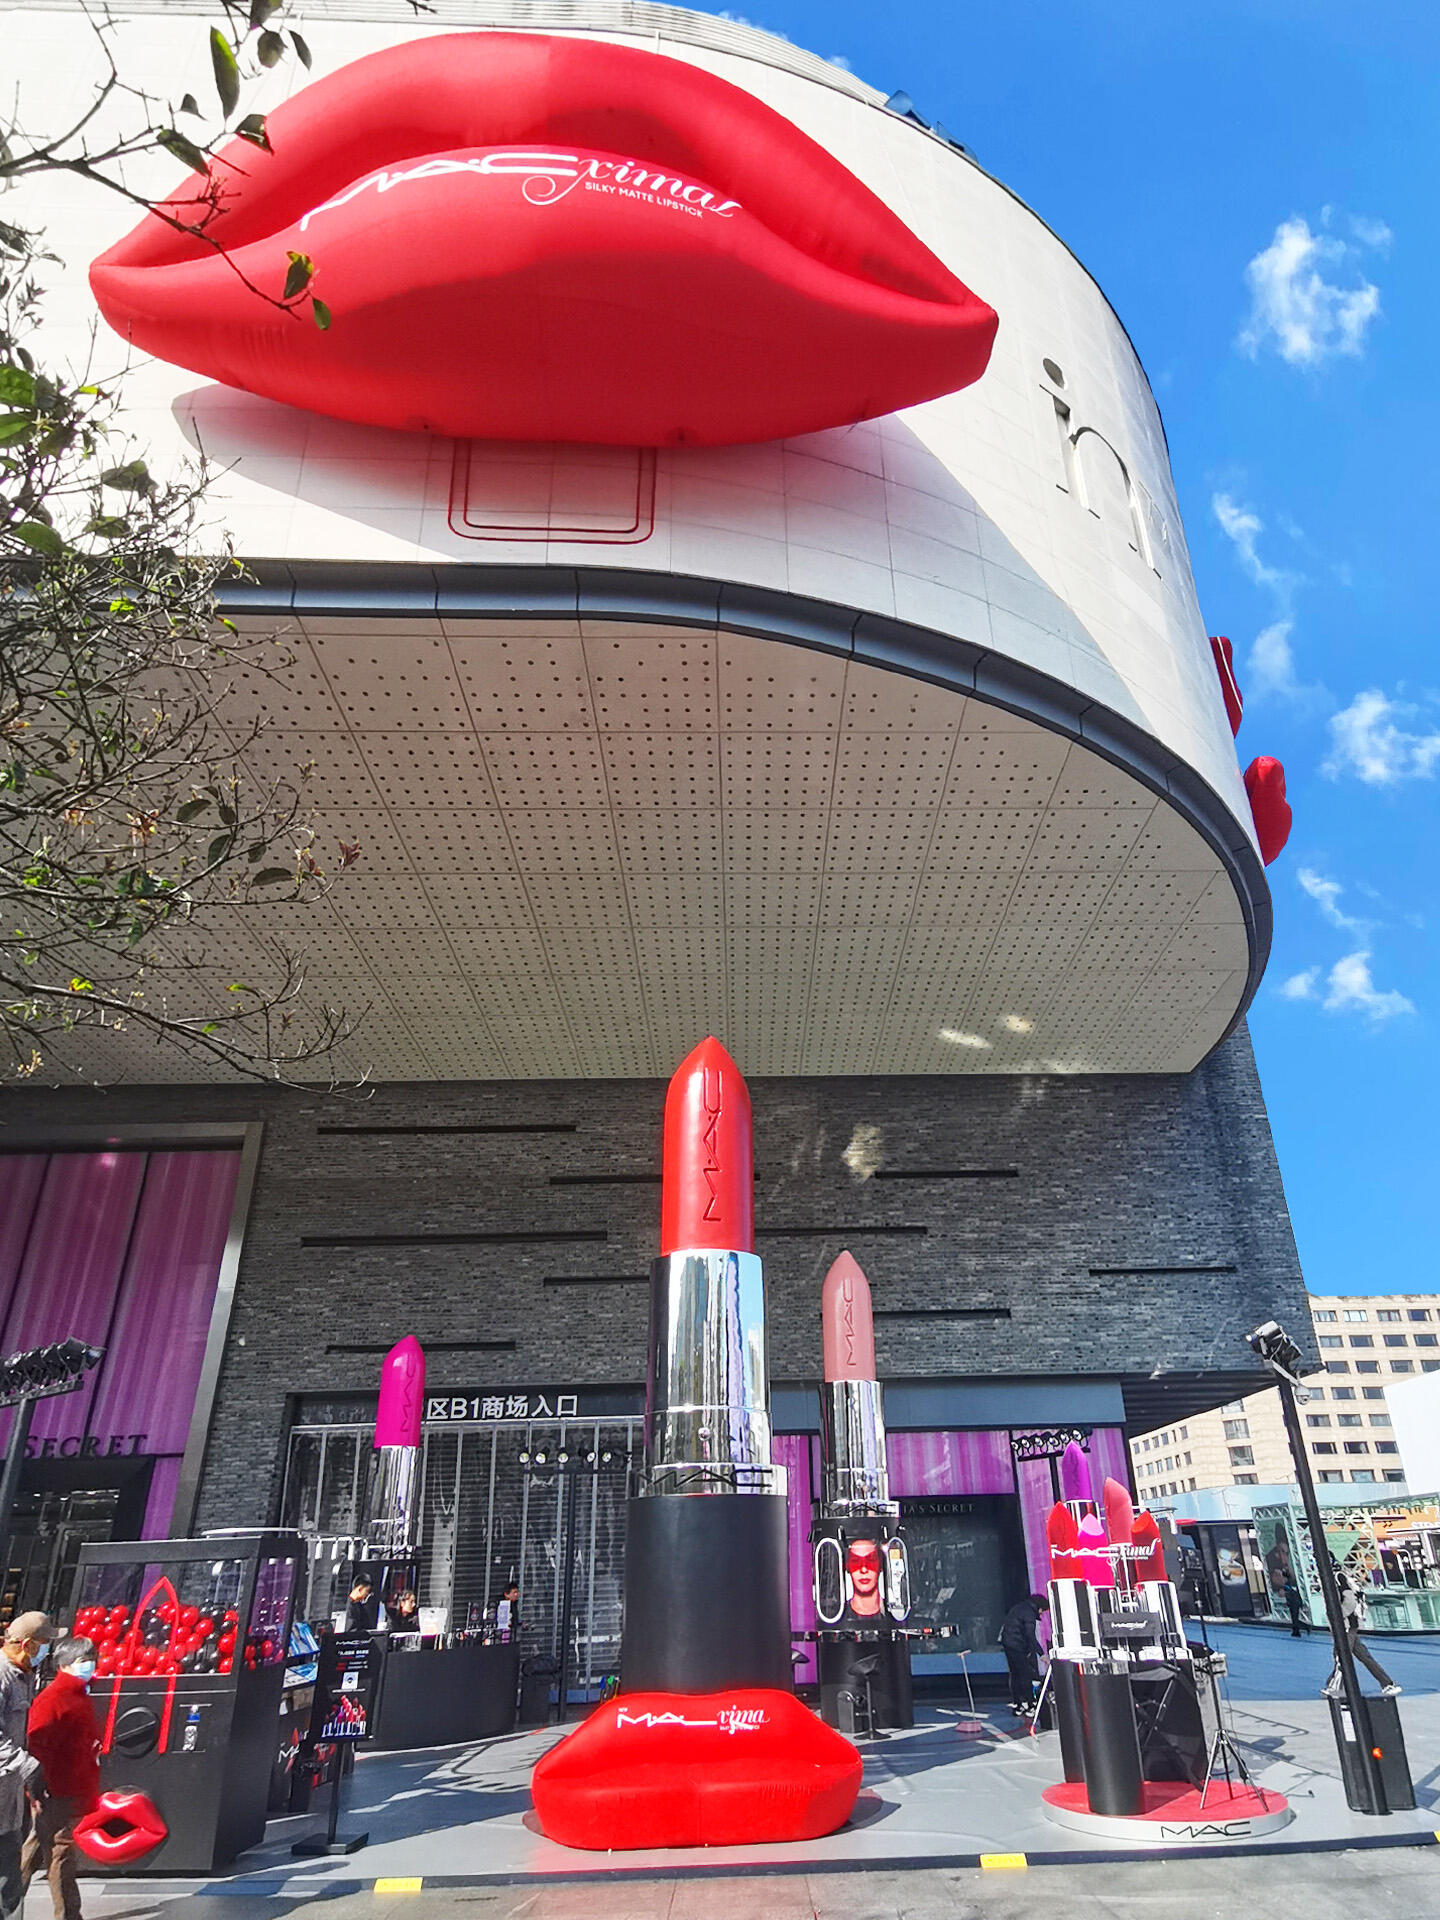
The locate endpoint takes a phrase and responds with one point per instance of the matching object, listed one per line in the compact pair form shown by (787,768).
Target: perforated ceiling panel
(585,845)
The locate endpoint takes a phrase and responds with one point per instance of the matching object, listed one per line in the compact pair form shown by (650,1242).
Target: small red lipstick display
(706,1743)
(535,237)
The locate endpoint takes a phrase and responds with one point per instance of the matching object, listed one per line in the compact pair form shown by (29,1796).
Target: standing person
(362,1612)
(403,1614)
(1293,1601)
(65,1739)
(1352,1613)
(27,1641)
(1020,1639)
(507,1613)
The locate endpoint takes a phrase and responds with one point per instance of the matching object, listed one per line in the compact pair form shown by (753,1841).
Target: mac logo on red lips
(525,237)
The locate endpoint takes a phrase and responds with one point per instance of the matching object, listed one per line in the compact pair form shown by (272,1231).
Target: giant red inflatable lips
(527,237)
(696,1770)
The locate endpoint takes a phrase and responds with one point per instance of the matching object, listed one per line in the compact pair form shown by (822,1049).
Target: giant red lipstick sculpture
(705,1744)
(534,237)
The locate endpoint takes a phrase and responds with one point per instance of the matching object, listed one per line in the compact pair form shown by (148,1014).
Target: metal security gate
(500,1501)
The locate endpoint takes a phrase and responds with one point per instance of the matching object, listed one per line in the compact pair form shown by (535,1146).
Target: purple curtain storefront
(122,1250)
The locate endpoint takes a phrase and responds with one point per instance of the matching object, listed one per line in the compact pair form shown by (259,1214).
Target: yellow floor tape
(1004,1860)
(399,1886)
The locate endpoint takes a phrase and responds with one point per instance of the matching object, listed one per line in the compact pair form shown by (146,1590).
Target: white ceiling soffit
(584,845)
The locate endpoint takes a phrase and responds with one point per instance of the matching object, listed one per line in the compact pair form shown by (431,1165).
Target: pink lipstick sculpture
(861,1569)
(391,1529)
(706,1743)
(1115,1627)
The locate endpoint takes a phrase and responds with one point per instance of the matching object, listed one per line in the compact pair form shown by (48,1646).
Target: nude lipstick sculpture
(861,1569)
(391,1524)
(706,1743)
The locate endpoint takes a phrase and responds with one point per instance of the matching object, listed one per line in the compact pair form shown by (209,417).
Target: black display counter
(445,1696)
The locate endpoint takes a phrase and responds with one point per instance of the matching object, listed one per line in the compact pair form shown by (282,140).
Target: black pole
(567,1595)
(14,1466)
(1331,1593)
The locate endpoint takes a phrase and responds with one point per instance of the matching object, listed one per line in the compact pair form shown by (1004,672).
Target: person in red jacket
(64,1737)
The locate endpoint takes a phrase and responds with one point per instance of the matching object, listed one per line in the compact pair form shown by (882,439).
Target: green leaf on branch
(189,105)
(133,477)
(321,313)
(109,526)
(191,810)
(39,537)
(298,275)
(227,71)
(297,41)
(183,149)
(17,387)
(15,426)
(239,986)
(270,49)
(271,876)
(252,128)
(218,848)
(81,985)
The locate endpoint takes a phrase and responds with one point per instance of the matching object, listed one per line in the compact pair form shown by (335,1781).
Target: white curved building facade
(893,755)
(916,718)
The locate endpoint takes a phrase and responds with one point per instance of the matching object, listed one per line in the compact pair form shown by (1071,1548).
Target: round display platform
(1171,1814)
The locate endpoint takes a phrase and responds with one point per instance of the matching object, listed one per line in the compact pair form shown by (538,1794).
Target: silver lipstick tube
(391,1527)
(707,1398)
(852,1450)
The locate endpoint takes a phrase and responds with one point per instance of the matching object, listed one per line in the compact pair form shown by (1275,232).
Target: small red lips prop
(123,1827)
(696,1770)
(527,237)
(1265,784)
(1224,657)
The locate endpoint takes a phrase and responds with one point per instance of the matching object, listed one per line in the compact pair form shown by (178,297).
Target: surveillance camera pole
(1329,1589)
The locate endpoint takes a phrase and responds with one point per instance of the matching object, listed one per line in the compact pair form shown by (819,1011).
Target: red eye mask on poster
(524,237)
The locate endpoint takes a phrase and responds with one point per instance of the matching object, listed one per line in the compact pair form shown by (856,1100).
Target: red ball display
(531,237)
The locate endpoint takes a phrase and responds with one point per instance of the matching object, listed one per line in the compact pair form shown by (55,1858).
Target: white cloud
(1365,740)
(1348,988)
(1371,233)
(1300,986)
(1270,666)
(1294,308)
(1326,895)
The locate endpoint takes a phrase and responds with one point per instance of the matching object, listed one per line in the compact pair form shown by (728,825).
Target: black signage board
(347,1686)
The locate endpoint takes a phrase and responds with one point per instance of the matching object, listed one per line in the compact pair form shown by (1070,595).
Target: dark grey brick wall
(1111,1172)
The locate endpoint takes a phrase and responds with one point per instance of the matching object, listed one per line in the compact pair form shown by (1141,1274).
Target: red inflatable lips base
(696,1770)
(534,238)
(122,1827)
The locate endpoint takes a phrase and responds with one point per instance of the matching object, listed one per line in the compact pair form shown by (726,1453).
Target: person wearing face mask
(27,1641)
(65,1738)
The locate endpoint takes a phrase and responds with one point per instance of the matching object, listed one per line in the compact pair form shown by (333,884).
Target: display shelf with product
(193,1640)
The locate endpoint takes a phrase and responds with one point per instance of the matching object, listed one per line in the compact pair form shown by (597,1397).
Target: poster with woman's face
(862,1566)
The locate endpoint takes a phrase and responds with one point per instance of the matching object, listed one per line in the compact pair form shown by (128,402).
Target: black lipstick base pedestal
(707,1594)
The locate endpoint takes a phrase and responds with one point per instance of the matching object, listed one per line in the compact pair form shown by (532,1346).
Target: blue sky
(1252,182)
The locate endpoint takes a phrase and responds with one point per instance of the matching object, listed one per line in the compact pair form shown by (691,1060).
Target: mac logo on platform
(524,237)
